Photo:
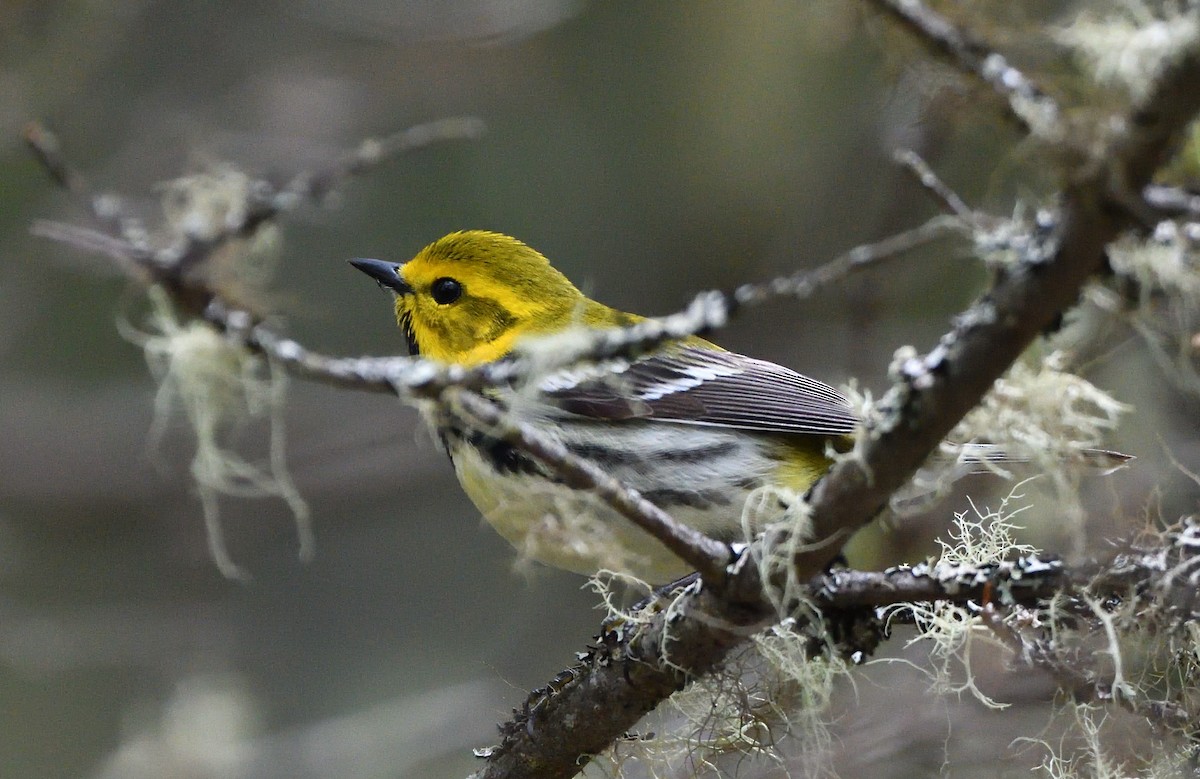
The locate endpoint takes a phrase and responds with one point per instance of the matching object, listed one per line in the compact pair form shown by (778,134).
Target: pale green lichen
(574,533)
(206,206)
(220,386)
(1090,759)
(1038,417)
(767,704)
(980,536)
(1130,44)
(1165,269)
(1091,745)
(776,562)
(213,207)
(1040,413)
(613,587)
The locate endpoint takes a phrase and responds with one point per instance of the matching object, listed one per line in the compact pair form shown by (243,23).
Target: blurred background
(650,150)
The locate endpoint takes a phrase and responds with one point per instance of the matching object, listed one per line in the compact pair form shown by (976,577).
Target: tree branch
(1036,112)
(932,392)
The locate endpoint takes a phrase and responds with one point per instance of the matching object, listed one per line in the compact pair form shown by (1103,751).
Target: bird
(722,442)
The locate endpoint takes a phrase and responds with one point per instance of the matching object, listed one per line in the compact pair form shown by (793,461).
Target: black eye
(446,290)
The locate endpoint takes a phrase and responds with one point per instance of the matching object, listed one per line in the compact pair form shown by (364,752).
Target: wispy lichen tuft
(1165,272)
(219,387)
(777,570)
(1038,417)
(767,704)
(979,536)
(1133,43)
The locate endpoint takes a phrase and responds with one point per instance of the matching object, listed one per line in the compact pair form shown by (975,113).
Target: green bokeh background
(650,149)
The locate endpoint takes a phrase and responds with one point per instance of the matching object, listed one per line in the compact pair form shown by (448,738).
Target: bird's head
(468,297)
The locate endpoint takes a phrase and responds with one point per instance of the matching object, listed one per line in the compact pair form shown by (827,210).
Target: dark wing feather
(705,387)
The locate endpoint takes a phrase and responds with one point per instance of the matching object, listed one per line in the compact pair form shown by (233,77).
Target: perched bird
(722,442)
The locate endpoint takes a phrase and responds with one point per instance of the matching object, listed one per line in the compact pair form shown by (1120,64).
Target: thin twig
(405,376)
(1037,113)
(171,262)
(1172,201)
(127,257)
(948,198)
(804,284)
(711,310)
(105,208)
(372,151)
(46,148)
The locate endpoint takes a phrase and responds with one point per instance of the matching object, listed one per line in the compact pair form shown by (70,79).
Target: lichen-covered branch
(1029,603)
(1028,104)
(932,392)
(177,259)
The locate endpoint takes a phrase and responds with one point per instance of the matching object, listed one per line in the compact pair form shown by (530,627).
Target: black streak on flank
(611,456)
(501,455)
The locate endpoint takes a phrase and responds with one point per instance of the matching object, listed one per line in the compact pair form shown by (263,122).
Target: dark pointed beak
(386,273)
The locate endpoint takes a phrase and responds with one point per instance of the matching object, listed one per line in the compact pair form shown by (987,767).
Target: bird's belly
(704,481)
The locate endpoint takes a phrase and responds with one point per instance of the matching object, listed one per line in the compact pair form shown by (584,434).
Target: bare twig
(1172,201)
(44,145)
(372,151)
(105,208)
(804,284)
(128,258)
(1033,109)
(932,393)
(948,198)
(170,263)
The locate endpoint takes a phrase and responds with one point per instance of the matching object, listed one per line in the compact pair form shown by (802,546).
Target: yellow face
(468,297)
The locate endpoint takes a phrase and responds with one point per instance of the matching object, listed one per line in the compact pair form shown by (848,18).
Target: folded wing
(703,387)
